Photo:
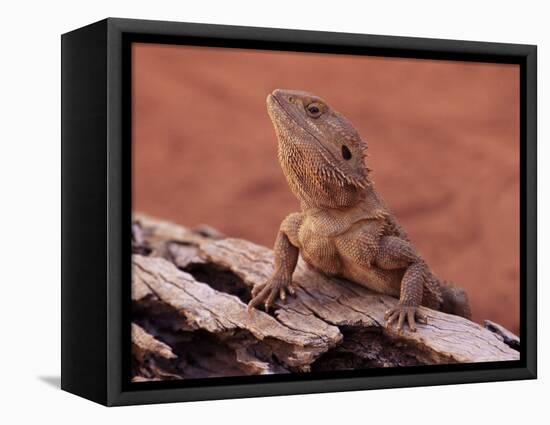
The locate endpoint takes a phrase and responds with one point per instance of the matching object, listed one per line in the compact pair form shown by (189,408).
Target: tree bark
(190,320)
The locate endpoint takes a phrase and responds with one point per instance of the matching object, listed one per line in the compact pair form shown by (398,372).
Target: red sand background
(443,139)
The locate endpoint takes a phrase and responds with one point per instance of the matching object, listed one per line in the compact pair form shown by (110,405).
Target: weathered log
(190,289)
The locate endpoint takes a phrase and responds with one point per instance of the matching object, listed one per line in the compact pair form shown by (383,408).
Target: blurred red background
(443,142)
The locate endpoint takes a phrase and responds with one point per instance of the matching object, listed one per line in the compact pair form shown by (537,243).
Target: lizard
(344,228)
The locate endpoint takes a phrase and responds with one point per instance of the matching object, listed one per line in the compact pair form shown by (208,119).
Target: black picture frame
(96,209)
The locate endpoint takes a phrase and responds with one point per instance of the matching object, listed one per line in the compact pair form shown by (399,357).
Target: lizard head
(322,155)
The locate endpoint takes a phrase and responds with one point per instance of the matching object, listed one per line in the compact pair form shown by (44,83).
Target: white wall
(30,199)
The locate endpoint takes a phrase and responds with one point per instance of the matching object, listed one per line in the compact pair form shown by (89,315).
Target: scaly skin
(344,228)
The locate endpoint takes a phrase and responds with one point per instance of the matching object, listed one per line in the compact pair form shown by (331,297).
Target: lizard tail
(445,296)
(455,300)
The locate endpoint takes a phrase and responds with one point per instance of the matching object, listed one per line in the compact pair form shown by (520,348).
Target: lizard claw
(268,292)
(400,313)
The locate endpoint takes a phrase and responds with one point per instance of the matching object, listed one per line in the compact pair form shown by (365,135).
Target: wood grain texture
(189,293)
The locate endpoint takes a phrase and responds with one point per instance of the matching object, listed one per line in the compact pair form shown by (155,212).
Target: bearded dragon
(344,228)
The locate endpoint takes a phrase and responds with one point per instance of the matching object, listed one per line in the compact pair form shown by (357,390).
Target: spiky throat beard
(312,176)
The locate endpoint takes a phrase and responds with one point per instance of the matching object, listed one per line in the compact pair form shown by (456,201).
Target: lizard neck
(368,206)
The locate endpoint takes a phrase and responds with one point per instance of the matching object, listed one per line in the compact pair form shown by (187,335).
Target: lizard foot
(401,312)
(268,292)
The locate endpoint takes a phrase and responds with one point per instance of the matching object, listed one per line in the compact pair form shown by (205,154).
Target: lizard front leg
(286,257)
(396,253)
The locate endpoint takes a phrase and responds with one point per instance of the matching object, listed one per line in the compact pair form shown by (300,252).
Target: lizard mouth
(275,106)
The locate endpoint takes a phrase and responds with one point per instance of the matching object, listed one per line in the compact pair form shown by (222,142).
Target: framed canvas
(394,178)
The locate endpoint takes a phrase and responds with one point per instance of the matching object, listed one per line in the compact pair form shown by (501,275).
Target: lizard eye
(346,153)
(313,110)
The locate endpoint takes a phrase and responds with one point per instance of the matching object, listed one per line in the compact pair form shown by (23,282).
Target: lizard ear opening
(346,153)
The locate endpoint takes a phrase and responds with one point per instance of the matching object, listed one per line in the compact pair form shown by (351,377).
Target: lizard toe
(405,316)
